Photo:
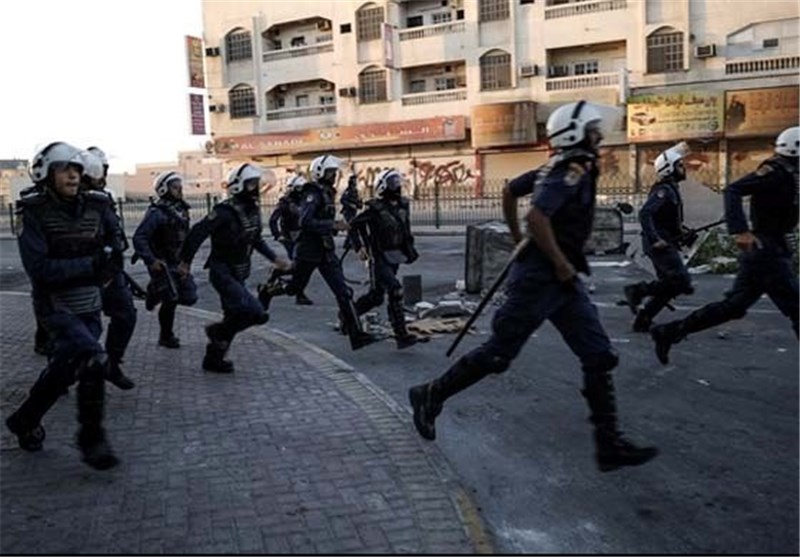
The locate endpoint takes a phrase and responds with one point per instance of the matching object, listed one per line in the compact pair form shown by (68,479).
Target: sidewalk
(296,452)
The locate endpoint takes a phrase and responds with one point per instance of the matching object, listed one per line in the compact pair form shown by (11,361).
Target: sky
(111,73)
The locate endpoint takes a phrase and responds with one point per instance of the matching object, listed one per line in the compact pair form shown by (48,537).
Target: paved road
(724,413)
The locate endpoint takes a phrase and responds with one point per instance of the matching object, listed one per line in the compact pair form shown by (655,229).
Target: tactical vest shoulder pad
(32,199)
(374,204)
(98,197)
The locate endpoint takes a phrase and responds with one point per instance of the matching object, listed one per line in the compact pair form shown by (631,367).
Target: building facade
(455,93)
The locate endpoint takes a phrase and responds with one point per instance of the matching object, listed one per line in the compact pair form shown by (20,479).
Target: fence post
(436,215)
(121,204)
(11,219)
(208,202)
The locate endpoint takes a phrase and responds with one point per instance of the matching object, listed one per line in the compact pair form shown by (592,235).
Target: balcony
(302,112)
(324,44)
(582,7)
(432,30)
(588,81)
(786,64)
(413,99)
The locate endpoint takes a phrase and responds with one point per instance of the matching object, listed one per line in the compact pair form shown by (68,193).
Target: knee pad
(602,362)
(94,366)
(487,362)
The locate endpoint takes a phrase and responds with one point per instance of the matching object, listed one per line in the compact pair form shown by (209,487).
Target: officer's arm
(145,230)
(200,231)
(735,192)
(274,219)
(553,195)
(358,229)
(646,213)
(114,235)
(261,247)
(520,186)
(42,269)
(309,222)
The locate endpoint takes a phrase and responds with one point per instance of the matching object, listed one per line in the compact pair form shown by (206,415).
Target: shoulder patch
(309,198)
(661,194)
(574,174)
(763,170)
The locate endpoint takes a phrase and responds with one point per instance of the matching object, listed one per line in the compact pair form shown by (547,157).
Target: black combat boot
(29,439)
(302,300)
(612,449)
(269,290)
(116,377)
(634,294)
(642,322)
(169,341)
(91,397)
(352,324)
(665,336)
(397,317)
(216,349)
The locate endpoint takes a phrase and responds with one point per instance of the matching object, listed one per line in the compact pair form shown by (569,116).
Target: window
(665,51)
(495,71)
(327,99)
(442,17)
(345,28)
(417,86)
(298,41)
(238,46)
(372,86)
(492,10)
(444,83)
(526,1)
(414,21)
(585,67)
(242,101)
(770,43)
(368,23)
(301,100)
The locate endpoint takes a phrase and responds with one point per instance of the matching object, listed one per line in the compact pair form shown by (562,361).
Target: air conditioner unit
(705,51)
(212,51)
(324,25)
(344,92)
(529,70)
(456,4)
(216,108)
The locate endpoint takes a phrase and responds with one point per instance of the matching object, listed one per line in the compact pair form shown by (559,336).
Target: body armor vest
(170,235)
(235,249)
(669,217)
(777,214)
(392,225)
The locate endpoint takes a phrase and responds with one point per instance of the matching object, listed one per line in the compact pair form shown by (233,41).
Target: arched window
(372,86)
(495,70)
(492,10)
(368,22)
(238,45)
(665,51)
(242,101)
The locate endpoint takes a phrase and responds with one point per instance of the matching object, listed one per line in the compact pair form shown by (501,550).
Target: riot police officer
(158,240)
(351,205)
(284,224)
(117,297)
(70,246)
(235,229)
(765,261)
(543,284)
(663,231)
(315,248)
(382,235)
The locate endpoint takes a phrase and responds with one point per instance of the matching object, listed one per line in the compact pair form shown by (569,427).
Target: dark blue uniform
(564,191)
(315,249)
(661,218)
(284,222)
(773,192)
(235,229)
(159,237)
(351,204)
(69,249)
(385,228)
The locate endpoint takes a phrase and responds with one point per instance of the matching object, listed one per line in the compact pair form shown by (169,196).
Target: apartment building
(455,93)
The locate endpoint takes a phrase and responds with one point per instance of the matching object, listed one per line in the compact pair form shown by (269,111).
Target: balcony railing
(583,7)
(759,65)
(435,97)
(432,30)
(304,112)
(610,79)
(293,52)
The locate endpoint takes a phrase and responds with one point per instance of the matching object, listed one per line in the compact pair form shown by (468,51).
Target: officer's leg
(300,298)
(746,290)
(673,280)
(377,290)
(397,315)
(579,325)
(300,277)
(42,344)
(118,306)
(166,322)
(524,310)
(187,290)
(331,271)
(781,285)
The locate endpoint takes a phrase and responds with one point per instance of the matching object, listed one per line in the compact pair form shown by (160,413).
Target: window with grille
(665,52)
(492,10)
(372,86)
(238,46)
(585,67)
(441,17)
(242,102)
(495,71)
(417,86)
(414,21)
(444,83)
(301,100)
(368,23)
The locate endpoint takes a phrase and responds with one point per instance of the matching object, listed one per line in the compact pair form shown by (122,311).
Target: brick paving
(294,453)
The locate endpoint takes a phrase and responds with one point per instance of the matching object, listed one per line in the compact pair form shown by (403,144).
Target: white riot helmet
(100,154)
(665,164)
(92,165)
(163,180)
(241,174)
(788,142)
(295,183)
(319,167)
(389,181)
(53,155)
(566,126)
